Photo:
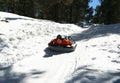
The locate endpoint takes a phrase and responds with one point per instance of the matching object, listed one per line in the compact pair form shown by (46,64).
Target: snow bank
(19,31)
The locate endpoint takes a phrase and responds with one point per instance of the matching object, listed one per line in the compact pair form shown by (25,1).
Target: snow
(24,57)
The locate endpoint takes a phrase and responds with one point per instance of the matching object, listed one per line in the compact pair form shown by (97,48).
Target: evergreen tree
(89,15)
(70,11)
(25,7)
(109,11)
(97,18)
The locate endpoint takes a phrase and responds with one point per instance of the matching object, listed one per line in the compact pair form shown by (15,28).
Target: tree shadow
(117,81)
(84,71)
(3,43)
(16,18)
(85,74)
(99,31)
(9,76)
(117,74)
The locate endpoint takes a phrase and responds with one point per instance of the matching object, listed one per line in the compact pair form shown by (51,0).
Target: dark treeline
(67,11)
(108,12)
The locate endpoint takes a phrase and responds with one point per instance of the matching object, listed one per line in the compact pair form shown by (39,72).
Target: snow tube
(62,48)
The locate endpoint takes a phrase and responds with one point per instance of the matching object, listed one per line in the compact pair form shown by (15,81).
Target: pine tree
(109,11)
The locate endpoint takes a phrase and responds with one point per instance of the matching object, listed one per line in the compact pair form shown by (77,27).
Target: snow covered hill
(24,57)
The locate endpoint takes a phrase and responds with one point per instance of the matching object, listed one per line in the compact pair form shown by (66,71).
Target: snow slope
(24,57)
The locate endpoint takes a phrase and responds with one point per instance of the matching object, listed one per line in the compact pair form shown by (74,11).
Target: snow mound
(19,31)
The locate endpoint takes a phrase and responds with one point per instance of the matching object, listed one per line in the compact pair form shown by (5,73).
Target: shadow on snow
(99,31)
(9,76)
(84,74)
(15,18)
(50,53)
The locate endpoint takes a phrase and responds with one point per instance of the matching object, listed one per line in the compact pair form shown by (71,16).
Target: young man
(66,42)
(61,41)
(58,40)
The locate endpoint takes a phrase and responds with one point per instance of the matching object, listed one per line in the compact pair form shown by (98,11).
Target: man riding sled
(61,41)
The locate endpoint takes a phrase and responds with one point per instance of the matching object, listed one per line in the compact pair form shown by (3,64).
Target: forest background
(66,11)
